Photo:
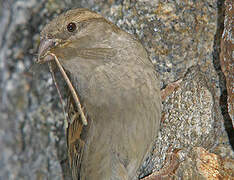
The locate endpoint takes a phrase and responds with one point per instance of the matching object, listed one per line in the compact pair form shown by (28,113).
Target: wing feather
(74,142)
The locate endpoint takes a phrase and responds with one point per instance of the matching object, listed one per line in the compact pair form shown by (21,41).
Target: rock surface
(226,56)
(179,36)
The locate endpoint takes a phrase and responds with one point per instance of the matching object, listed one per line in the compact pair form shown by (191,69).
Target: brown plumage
(118,89)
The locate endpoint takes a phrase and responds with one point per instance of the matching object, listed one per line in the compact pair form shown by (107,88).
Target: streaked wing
(74,142)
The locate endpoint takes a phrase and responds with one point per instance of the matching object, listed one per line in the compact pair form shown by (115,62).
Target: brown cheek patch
(64,53)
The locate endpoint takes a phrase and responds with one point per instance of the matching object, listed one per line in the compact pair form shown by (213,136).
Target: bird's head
(77,33)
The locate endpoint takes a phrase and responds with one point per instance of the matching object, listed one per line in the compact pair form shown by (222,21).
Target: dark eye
(71,27)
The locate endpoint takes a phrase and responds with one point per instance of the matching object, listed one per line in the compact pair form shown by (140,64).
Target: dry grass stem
(59,93)
(74,94)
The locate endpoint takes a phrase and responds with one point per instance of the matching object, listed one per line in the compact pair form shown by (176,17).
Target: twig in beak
(74,94)
(59,93)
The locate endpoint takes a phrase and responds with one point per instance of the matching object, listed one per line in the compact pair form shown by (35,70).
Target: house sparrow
(118,89)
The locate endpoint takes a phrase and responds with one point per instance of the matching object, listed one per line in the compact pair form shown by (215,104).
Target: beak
(44,49)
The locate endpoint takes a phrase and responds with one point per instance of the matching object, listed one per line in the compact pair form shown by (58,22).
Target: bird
(119,91)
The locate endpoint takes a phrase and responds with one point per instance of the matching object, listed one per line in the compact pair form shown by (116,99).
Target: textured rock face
(177,35)
(226,56)
(191,118)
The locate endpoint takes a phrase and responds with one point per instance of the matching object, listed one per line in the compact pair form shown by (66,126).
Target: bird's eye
(71,27)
